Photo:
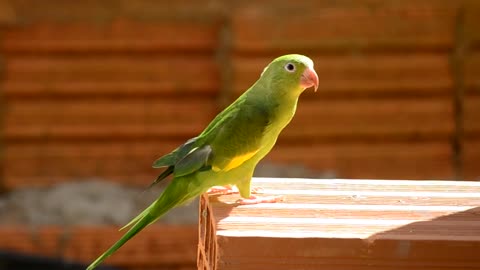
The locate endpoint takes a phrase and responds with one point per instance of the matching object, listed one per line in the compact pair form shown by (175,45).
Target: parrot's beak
(309,78)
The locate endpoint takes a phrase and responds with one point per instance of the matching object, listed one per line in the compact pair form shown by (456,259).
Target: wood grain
(102,100)
(471,148)
(471,115)
(366,74)
(370,159)
(371,224)
(45,164)
(377,25)
(117,36)
(144,71)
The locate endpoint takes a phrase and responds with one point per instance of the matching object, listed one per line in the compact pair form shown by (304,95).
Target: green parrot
(226,152)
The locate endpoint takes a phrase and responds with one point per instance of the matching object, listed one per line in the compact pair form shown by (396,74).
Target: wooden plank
(472,72)
(118,36)
(79,168)
(201,10)
(103,131)
(7,13)
(471,157)
(471,22)
(43,164)
(147,68)
(30,164)
(352,235)
(471,114)
(102,118)
(383,119)
(380,159)
(365,74)
(105,110)
(413,118)
(383,25)
(105,11)
(83,244)
(91,149)
(135,179)
(416,8)
(60,11)
(204,87)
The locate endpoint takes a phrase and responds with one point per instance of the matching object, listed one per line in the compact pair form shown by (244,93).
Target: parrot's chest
(281,116)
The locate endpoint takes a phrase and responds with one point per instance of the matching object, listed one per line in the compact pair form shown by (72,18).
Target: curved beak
(309,78)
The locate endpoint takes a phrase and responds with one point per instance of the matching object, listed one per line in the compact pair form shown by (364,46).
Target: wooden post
(344,224)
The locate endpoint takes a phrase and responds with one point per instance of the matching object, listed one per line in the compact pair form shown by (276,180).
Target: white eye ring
(290,67)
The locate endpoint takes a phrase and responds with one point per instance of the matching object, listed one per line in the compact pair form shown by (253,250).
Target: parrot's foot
(222,190)
(255,200)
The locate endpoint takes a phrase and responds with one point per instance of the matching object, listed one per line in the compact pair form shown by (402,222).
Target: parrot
(227,151)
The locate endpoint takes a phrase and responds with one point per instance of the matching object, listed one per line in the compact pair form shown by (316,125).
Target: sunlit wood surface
(345,224)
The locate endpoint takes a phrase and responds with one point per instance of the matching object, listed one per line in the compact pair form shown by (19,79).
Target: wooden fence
(103,88)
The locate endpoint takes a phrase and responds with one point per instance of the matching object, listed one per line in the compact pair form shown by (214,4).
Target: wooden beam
(344,224)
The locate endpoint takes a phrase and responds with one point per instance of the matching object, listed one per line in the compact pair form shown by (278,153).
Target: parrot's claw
(255,200)
(220,190)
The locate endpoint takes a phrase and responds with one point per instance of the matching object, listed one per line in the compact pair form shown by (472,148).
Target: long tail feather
(177,193)
(136,219)
(142,223)
(148,216)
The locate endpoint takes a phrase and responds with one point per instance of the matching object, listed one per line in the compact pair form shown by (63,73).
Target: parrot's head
(292,72)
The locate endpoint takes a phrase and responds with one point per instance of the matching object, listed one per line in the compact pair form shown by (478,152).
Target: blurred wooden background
(102,88)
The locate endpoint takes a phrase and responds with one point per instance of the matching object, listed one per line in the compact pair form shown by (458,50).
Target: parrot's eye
(290,67)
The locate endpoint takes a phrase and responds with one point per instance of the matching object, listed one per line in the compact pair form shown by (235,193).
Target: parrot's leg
(222,190)
(255,200)
(247,197)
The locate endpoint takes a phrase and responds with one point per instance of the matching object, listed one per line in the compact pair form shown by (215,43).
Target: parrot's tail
(168,200)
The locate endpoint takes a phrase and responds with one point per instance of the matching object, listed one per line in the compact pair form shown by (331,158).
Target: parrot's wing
(232,138)
(174,156)
(171,159)
(239,137)
(196,160)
